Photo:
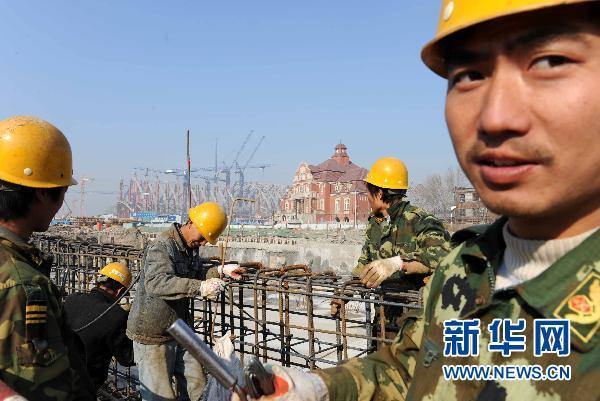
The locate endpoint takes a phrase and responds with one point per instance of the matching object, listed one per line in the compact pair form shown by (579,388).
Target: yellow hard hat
(34,153)
(388,172)
(118,272)
(457,15)
(210,219)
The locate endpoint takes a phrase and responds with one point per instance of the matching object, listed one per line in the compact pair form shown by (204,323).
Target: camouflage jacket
(34,358)
(463,288)
(410,232)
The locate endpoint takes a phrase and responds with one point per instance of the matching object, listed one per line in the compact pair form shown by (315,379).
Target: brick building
(469,209)
(327,192)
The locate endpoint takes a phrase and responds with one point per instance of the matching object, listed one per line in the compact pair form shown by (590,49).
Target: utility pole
(189,177)
(82,195)
(216,179)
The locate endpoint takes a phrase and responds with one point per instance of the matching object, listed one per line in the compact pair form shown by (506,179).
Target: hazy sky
(125,79)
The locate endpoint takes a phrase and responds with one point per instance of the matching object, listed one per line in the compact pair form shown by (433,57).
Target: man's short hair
(109,283)
(16,200)
(389,196)
(590,13)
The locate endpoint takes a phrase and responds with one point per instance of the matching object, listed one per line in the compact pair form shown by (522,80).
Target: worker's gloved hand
(232,270)
(292,384)
(126,307)
(379,270)
(414,267)
(211,288)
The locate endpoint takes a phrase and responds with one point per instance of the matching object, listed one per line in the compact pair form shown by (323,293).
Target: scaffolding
(287,315)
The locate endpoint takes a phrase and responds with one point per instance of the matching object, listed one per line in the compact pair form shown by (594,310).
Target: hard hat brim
(37,184)
(431,54)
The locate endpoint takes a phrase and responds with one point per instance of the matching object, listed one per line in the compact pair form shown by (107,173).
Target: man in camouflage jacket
(34,340)
(513,70)
(408,232)
(33,335)
(403,244)
(463,288)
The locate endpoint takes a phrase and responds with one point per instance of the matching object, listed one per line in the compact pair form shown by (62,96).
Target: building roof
(356,173)
(338,168)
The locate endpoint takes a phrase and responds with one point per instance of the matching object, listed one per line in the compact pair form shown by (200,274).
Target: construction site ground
(334,249)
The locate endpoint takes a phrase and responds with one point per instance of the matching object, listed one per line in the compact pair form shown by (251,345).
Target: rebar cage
(287,315)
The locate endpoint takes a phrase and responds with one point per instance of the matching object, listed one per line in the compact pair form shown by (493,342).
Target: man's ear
(45,196)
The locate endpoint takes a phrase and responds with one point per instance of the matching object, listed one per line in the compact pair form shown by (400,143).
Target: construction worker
(35,172)
(100,323)
(403,242)
(170,278)
(522,109)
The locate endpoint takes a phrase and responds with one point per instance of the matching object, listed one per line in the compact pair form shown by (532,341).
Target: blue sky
(125,79)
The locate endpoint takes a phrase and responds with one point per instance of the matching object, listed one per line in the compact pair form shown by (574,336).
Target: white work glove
(232,270)
(379,270)
(292,384)
(211,288)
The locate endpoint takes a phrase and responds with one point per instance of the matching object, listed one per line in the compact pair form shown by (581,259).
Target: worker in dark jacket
(104,338)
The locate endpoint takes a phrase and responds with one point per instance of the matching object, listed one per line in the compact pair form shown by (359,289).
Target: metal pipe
(186,337)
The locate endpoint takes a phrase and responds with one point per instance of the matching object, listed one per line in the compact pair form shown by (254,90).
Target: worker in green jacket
(513,312)
(35,172)
(403,243)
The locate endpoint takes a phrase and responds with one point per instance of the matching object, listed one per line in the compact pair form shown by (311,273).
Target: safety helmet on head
(388,172)
(34,153)
(457,15)
(210,219)
(118,272)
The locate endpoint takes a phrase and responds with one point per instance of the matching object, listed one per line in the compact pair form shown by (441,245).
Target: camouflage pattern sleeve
(33,357)
(365,254)
(384,375)
(433,241)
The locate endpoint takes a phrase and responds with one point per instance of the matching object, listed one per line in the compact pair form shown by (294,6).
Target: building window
(461,212)
(287,206)
(476,197)
(461,198)
(346,204)
(322,204)
(337,205)
(469,197)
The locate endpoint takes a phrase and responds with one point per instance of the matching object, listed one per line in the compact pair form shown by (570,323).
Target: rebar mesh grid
(287,315)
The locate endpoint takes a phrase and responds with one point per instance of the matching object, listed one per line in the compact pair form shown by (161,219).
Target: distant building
(469,209)
(327,192)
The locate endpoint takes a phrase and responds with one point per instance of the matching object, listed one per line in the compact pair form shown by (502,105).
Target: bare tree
(436,193)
